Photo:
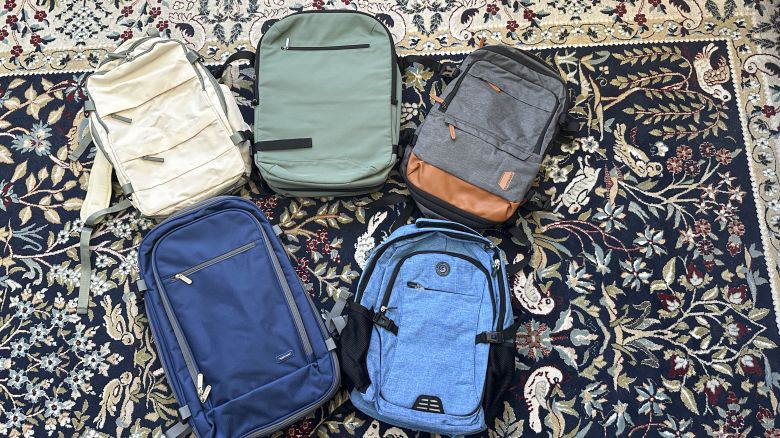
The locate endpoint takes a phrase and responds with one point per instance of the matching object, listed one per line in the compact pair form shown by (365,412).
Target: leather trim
(457,192)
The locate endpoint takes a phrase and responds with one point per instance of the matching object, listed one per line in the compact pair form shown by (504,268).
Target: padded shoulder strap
(98,188)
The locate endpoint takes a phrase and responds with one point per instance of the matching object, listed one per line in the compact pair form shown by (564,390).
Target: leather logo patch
(506,178)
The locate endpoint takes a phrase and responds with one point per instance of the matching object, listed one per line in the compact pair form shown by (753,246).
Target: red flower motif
(16,50)
(155,12)
(709,264)
(162,25)
(512,25)
(4,194)
(736,227)
(300,430)
(529,14)
(737,329)
(772,432)
(695,276)
(707,149)
(705,246)
(734,248)
(35,39)
(678,366)
(302,269)
(674,165)
(491,9)
(669,302)
(126,35)
(9,5)
(751,365)
(703,227)
(737,294)
(691,168)
(11,19)
(655,2)
(40,15)
(764,414)
(346,2)
(3,33)
(318,4)
(640,19)
(127,10)
(684,152)
(769,110)
(723,156)
(713,388)
(620,9)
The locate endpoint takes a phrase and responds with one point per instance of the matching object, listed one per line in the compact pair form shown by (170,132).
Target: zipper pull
(183,278)
(414,285)
(496,266)
(452,131)
(153,159)
(383,309)
(203,393)
(286,44)
(494,87)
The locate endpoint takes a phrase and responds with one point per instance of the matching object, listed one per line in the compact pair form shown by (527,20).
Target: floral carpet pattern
(651,304)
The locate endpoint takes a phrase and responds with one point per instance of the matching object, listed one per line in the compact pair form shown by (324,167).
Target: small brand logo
(443,269)
(506,178)
(284,356)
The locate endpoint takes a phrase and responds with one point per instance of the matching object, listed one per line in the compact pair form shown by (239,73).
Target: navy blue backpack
(241,342)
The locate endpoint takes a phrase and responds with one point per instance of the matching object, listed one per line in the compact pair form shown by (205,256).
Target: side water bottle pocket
(354,346)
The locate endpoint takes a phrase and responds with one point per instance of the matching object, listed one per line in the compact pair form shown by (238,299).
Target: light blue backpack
(429,342)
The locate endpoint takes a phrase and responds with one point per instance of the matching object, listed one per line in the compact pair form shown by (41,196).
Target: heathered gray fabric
(495,132)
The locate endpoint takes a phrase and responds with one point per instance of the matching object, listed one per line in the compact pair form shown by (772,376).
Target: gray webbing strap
(334,320)
(152,32)
(127,189)
(330,343)
(86,266)
(84,137)
(89,106)
(179,430)
(184,413)
(240,137)
(141,285)
(193,56)
(278,230)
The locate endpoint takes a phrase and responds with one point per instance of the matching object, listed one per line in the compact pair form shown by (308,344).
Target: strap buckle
(386,323)
(495,337)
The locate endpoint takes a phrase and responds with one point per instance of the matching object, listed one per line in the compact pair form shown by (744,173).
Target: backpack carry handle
(241,54)
(435,223)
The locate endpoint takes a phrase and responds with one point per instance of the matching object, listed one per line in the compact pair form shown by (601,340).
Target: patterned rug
(652,301)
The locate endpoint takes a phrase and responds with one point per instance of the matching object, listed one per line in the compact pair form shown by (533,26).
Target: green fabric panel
(339,98)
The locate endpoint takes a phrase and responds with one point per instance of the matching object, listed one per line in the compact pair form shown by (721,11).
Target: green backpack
(327,104)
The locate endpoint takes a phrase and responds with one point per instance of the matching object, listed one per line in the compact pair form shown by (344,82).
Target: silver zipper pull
(496,266)
(383,309)
(286,44)
(183,278)
(203,393)
(414,285)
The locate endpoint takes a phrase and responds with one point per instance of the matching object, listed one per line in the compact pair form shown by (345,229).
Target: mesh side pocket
(354,346)
(500,370)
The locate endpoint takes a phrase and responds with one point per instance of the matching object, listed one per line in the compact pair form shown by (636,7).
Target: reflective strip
(86,266)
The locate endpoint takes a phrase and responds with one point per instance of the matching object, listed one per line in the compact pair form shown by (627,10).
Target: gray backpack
(480,147)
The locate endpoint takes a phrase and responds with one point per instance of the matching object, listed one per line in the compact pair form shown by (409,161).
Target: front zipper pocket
(212,291)
(287,46)
(183,275)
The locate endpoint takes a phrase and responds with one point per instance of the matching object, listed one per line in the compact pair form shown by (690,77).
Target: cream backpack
(172,133)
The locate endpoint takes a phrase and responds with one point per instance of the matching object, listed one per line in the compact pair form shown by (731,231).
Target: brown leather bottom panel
(457,192)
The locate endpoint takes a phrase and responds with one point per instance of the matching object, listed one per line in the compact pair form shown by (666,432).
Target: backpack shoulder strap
(93,209)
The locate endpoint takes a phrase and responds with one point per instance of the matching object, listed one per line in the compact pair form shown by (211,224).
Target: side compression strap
(334,320)
(84,137)
(86,266)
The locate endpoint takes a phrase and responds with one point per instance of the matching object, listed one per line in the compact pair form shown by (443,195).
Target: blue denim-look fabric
(438,318)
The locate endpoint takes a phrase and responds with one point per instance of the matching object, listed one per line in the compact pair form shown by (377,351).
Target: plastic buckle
(381,320)
(495,337)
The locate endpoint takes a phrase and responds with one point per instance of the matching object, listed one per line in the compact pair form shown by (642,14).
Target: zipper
(296,315)
(375,255)
(287,46)
(183,276)
(195,375)
(417,286)
(388,291)
(393,55)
